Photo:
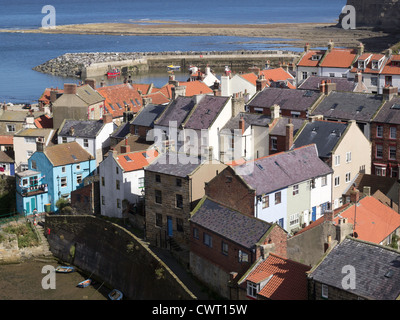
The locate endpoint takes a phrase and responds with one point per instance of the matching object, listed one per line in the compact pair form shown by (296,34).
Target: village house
(122,179)
(48,97)
(285,188)
(78,103)
(143,123)
(222,249)
(342,146)
(354,257)
(92,135)
(174,183)
(341,84)
(7,165)
(207,77)
(53,173)
(11,121)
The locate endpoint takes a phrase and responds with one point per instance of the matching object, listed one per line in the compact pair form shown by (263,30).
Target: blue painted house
(58,170)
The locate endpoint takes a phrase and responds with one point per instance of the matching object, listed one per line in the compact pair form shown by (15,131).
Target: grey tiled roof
(82,128)
(390,112)
(325,134)
(371,262)
(349,106)
(279,129)
(342,84)
(249,119)
(175,164)
(287,99)
(121,131)
(148,115)
(230,224)
(281,170)
(177,110)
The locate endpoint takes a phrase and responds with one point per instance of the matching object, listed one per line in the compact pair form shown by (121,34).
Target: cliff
(381,15)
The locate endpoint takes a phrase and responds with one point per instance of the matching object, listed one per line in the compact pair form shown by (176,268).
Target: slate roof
(375,182)
(228,223)
(148,115)
(135,143)
(280,170)
(67,153)
(82,128)
(349,106)
(371,262)
(279,128)
(121,131)
(313,82)
(255,119)
(390,112)
(287,99)
(175,164)
(325,134)
(288,278)
(206,112)
(177,110)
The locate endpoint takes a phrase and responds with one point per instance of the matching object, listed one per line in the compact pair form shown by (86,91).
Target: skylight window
(360,108)
(308,93)
(145,155)
(334,106)
(128,159)
(395,106)
(259,166)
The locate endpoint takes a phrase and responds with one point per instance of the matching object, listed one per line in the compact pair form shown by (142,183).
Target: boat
(115,295)
(113,73)
(171,67)
(84,283)
(65,269)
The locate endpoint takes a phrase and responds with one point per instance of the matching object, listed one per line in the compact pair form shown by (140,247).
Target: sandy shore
(295,34)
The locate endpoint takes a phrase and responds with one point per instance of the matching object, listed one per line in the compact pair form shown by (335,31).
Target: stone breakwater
(75,65)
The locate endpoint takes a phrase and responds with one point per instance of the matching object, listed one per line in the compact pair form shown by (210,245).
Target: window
(79,179)
(348,157)
(224,248)
(243,256)
(324,291)
(304,75)
(62,169)
(33,164)
(179,182)
(141,182)
(337,160)
(64,140)
(24,166)
(195,233)
(348,177)
(102,181)
(11,128)
(312,184)
(295,114)
(158,195)
(379,131)
(252,289)
(30,140)
(265,201)
(294,219)
(63,182)
(158,178)
(85,143)
(274,143)
(393,132)
(278,197)
(380,171)
(295,189)
(158,219)
(117,184)
(29,153)
(332,75)
(392,152)
(374,81)
(179,224)
(118,203)
(379,151)
(207,240)
(179,201)
(337,181)
(116,170)
(103,201)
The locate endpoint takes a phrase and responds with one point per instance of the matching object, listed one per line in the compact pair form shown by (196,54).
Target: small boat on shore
(84,283)
(171,67)
(115,295)
(112,73)
(65,269)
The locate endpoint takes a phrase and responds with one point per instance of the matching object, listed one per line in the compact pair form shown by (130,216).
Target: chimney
(225,86)
(238,104)
(171,79)
(107,118)
(125,148)
(40,144)
(367,191)
(328,215)
(91,82)
(268,64)
(260,82)
(147,101)
(207,71)
(315,118)
(360,49)
(307,47)
(241,124)
(30,120)
(358,78)
(329,87)
(70,88)
(331,45)
(178,91)
(389,92)
(388,53)
(53,95)
(354,195)
(289,135)
(275,112)
(72,131)
(322,87)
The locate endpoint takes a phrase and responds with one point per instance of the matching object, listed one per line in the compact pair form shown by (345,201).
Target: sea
(20,52)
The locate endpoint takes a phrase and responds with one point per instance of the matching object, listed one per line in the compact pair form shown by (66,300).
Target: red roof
(288,280)
(306,60)
(45,97)
(6,140)
(195,87)
(368,68)
(157,98)
(390,67)
(136,160)
(117,96)
(339,58)
(271,75)
(44,121)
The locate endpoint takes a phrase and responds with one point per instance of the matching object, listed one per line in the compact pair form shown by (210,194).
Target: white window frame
(393,133)
(86,143)
(294,219)
(348,177)
(252,289)
(274,143)
(243,256)
(65,183)
(324,181)
(337,160)
(11,127)
(337,181)
(295,189)
(348,157)
(379,131)
(324,291)
(207,240)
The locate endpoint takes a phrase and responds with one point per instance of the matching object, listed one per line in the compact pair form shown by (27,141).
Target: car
(27,106)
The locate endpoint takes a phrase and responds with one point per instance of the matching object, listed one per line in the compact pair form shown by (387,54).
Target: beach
(295,34)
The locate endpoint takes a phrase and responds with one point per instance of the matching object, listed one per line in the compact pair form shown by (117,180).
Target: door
(169,226)
(314,214)
(33,204)
(28,208)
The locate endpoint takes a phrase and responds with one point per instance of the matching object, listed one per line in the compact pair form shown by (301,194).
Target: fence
(9,217)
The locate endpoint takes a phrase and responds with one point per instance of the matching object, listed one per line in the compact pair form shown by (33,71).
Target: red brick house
(224,243)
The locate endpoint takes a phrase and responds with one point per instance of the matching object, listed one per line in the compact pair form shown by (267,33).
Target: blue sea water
(20,52)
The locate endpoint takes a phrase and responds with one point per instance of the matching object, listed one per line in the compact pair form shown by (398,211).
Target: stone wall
(114,255)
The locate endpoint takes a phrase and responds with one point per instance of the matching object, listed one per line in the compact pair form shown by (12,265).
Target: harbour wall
(114,255)
(86,65)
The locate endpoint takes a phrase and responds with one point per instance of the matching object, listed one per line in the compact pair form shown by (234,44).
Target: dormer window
(316,57)
(375,64)
(361,64)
